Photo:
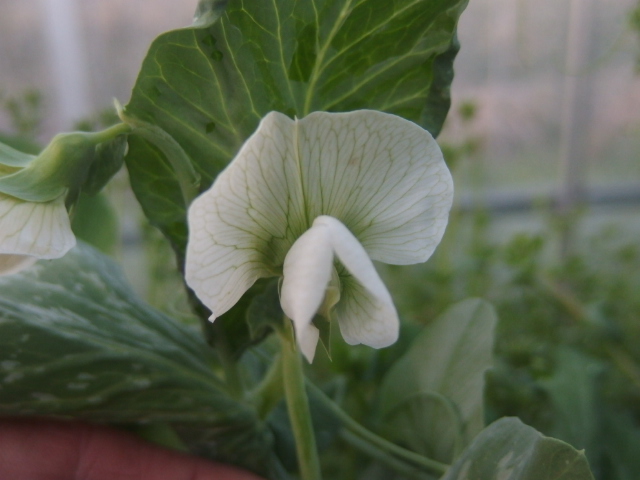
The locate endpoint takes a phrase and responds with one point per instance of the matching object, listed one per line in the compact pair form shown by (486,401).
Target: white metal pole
(70,76)
(576,111)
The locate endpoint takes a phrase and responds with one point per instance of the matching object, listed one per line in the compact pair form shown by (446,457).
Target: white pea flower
(34,223)
(32,230)
(29,230)
(314,201)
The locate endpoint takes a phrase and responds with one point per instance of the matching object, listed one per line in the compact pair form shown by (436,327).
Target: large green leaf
(432,399)
(509,449)
(75,342)
(207,86)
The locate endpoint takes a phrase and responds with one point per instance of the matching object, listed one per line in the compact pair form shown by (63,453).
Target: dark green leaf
(95,222)
(75,342)
(158,191)
(439,382)
(509,449)
(209,85)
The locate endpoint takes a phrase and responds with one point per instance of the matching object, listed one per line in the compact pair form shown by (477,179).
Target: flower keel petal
(307,272)
(366,313)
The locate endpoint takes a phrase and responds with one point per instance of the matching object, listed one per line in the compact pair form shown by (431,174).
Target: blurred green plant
(634,19)
(25,112)
(567,355)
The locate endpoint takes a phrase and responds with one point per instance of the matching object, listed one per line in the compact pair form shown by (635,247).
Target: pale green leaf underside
(209,85)
(75,342)
(449,358)
(508,449)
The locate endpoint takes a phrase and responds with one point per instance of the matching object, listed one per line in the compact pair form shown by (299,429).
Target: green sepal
(108,160)
(11,157)
(63,166)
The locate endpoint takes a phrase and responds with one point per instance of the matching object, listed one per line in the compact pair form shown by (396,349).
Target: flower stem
(371,438)
(298,406)
(111,132)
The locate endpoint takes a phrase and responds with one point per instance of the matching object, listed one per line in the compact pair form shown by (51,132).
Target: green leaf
(576,409)
(95,222)
(159,193)
(432,397)
(509,449)
(75,342)
(208,85)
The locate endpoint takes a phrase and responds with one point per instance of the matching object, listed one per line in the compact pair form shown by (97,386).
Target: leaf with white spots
(510,450)
(75,342)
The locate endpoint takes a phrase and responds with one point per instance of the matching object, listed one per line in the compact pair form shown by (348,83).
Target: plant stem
(270,391)
(409,470)
(298,406)
(111,132)
(373,439)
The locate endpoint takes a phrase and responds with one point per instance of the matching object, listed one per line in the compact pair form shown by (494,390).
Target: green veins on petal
(30,230)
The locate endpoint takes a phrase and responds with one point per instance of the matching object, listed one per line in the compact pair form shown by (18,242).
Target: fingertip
(38,449)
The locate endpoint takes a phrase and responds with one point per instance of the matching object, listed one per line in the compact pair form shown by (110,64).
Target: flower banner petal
(382,175)
(307,271)
(40,230)
(242,227)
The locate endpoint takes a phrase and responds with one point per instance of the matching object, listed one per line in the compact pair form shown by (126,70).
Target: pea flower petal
(303,195)
(31,231)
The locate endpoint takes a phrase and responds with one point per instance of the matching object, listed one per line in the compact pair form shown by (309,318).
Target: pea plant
(280,148)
